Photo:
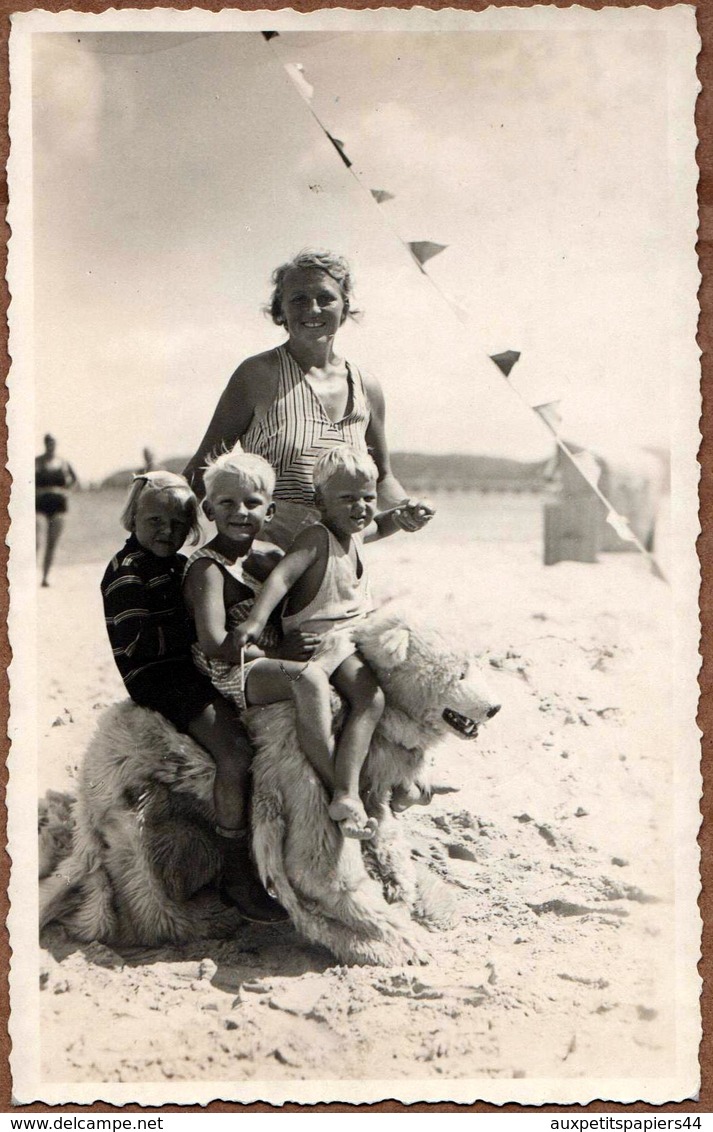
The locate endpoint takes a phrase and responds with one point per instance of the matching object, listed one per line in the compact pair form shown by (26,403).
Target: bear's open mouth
(466,727)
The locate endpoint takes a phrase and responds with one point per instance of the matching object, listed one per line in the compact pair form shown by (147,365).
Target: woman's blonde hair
(251,470)
(343,458)
(313,259)
(157,483)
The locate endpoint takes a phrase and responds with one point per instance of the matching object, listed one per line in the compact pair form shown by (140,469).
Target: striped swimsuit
(296,430)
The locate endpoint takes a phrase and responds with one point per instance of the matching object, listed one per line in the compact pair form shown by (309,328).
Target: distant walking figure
(53,479)
(149,464)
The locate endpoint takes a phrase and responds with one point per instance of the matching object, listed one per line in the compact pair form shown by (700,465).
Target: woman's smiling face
(313,304)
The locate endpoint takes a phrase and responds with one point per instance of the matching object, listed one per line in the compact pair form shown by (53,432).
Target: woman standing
(53,479)
(292,403)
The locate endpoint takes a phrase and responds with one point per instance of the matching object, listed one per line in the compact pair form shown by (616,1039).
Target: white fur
(143,845)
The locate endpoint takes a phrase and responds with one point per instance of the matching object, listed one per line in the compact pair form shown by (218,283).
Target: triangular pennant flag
(339,146)
(423,250)
(268,35)
(550,414)
(296,73)
(657,571)
(381,195)
(505,361)
(621,525)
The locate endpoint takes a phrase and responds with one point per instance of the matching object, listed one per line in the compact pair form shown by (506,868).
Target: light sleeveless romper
(224,676)
(343,600)
(294,432)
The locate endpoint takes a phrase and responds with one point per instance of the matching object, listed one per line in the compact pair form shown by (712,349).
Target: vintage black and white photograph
(354,627)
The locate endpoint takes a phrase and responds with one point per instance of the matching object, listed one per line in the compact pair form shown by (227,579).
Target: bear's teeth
(465,726)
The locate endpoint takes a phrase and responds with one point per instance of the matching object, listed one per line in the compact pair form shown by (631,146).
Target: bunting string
(617,522)
(420,252)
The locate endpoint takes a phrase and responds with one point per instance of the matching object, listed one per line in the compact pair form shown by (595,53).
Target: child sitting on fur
(220,587)
(151,635)
(325,583)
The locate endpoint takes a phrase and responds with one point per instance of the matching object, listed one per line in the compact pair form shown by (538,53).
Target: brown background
(704,124)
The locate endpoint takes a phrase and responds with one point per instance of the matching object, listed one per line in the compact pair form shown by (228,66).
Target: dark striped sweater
(146,618)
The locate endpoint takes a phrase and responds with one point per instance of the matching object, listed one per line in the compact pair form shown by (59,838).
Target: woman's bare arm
(230,420)
(70,476)
(390,490)
(251,389)
(414,514)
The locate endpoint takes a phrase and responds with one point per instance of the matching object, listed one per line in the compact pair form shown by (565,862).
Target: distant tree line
(420,471)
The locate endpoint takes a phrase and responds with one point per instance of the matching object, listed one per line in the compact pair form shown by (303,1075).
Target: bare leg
(219,730)
(221,733)
(55,526)
(356,682)
(270,681)
(40,523)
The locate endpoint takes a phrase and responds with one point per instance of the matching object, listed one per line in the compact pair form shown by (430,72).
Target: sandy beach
(515,195)
(556,839)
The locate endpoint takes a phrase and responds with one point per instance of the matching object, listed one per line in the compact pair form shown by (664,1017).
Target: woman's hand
(297,645)
(414,515)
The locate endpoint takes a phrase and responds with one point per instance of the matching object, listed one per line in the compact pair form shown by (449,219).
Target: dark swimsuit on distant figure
(48,499)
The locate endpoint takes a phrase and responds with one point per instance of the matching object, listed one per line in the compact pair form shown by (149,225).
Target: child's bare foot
(351,816)
(414,795)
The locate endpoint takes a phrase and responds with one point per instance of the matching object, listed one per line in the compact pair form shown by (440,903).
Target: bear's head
(433,680)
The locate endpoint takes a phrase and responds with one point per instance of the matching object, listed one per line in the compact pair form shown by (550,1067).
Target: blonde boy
(325,582)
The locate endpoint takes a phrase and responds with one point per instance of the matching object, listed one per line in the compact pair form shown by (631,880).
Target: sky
(172,173)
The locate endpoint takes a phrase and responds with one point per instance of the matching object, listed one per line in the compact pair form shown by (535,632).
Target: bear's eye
(463,674)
